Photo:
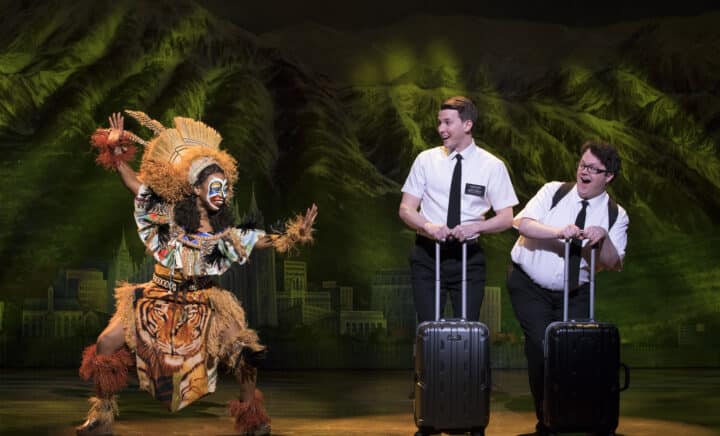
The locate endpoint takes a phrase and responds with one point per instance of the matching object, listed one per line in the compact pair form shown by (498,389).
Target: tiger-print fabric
(171,353)
(177,355)
(171,337)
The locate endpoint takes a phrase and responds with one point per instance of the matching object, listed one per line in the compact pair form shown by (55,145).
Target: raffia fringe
(229,327)
(295,233)
(104,409)
(124,295)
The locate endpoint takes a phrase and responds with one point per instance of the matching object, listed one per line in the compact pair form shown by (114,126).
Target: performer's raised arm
(116,149)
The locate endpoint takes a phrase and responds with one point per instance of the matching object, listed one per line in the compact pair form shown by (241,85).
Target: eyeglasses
(591,169)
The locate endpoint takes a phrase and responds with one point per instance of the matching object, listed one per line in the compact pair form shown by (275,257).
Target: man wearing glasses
(535,278)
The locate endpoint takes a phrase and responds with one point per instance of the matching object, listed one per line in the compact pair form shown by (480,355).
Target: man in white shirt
(535,279)
(478,181)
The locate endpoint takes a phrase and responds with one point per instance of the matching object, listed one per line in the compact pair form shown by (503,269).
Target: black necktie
(576,249)
(453,216)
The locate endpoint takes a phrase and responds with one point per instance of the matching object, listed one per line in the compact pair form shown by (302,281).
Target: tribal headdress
(174,158)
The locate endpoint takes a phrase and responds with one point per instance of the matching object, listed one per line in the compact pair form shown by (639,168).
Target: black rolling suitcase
(452,369)
(582,365)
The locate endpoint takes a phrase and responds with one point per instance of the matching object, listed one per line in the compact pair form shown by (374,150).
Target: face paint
(217,190)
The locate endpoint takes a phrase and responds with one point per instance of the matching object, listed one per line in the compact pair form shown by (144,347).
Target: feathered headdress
(174,158)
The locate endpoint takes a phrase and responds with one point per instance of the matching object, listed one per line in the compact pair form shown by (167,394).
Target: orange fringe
(249,415)
(109,373)
(107,157)
(164,180)
(170,182)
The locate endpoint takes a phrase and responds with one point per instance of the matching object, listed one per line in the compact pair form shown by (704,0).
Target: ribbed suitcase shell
(582,380)
(452,365)
(582,369)
(452,369)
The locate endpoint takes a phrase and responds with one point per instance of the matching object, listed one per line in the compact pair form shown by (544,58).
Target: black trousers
(535,308)
(422,269)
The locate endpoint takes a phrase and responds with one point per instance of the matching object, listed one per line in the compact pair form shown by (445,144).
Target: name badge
(476,190)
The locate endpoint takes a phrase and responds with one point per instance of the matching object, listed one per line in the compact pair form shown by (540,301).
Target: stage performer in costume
(180,325)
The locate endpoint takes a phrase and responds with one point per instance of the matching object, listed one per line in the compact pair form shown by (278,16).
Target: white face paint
(216,191)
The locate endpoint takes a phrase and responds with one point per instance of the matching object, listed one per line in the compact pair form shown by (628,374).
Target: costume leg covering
(251,419)
(109,375)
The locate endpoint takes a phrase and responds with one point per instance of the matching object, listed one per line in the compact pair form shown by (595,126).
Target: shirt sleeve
(237,246)
(501,194)
(618,232)
(416,181)
(152,217)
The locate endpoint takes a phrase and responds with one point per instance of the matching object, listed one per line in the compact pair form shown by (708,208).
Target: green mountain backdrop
(336,117)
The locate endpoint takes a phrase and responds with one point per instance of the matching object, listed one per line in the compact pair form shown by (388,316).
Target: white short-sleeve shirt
(485,183)
(544,259)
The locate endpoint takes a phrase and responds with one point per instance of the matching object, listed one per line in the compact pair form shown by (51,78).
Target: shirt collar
(466,154)
(598,200)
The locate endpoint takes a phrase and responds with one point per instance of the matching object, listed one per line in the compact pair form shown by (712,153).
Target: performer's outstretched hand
(295,231)
(116,128)
(114,145)
(309,219)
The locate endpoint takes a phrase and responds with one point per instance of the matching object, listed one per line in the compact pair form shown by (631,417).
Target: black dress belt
(450,245)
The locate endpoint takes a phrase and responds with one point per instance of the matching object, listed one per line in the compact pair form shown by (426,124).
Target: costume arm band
(110,154)
(292,233)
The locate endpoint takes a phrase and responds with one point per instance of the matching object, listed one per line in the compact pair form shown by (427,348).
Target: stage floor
(342,402)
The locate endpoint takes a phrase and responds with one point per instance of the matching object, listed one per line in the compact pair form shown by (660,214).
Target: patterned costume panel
(180,338)
(193,255)
(172,360)
(178,334)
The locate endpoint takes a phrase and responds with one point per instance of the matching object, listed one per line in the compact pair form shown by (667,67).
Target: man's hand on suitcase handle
(438,232)
(571,231)
(594,234)
(442,233)
(462,232)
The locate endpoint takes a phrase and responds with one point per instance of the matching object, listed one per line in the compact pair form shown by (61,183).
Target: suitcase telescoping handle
(463,285)
(566,281)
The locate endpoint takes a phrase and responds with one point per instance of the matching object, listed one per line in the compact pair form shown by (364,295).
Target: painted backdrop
(336,115)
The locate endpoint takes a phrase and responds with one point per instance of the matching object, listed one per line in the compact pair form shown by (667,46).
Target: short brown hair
(464,106)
